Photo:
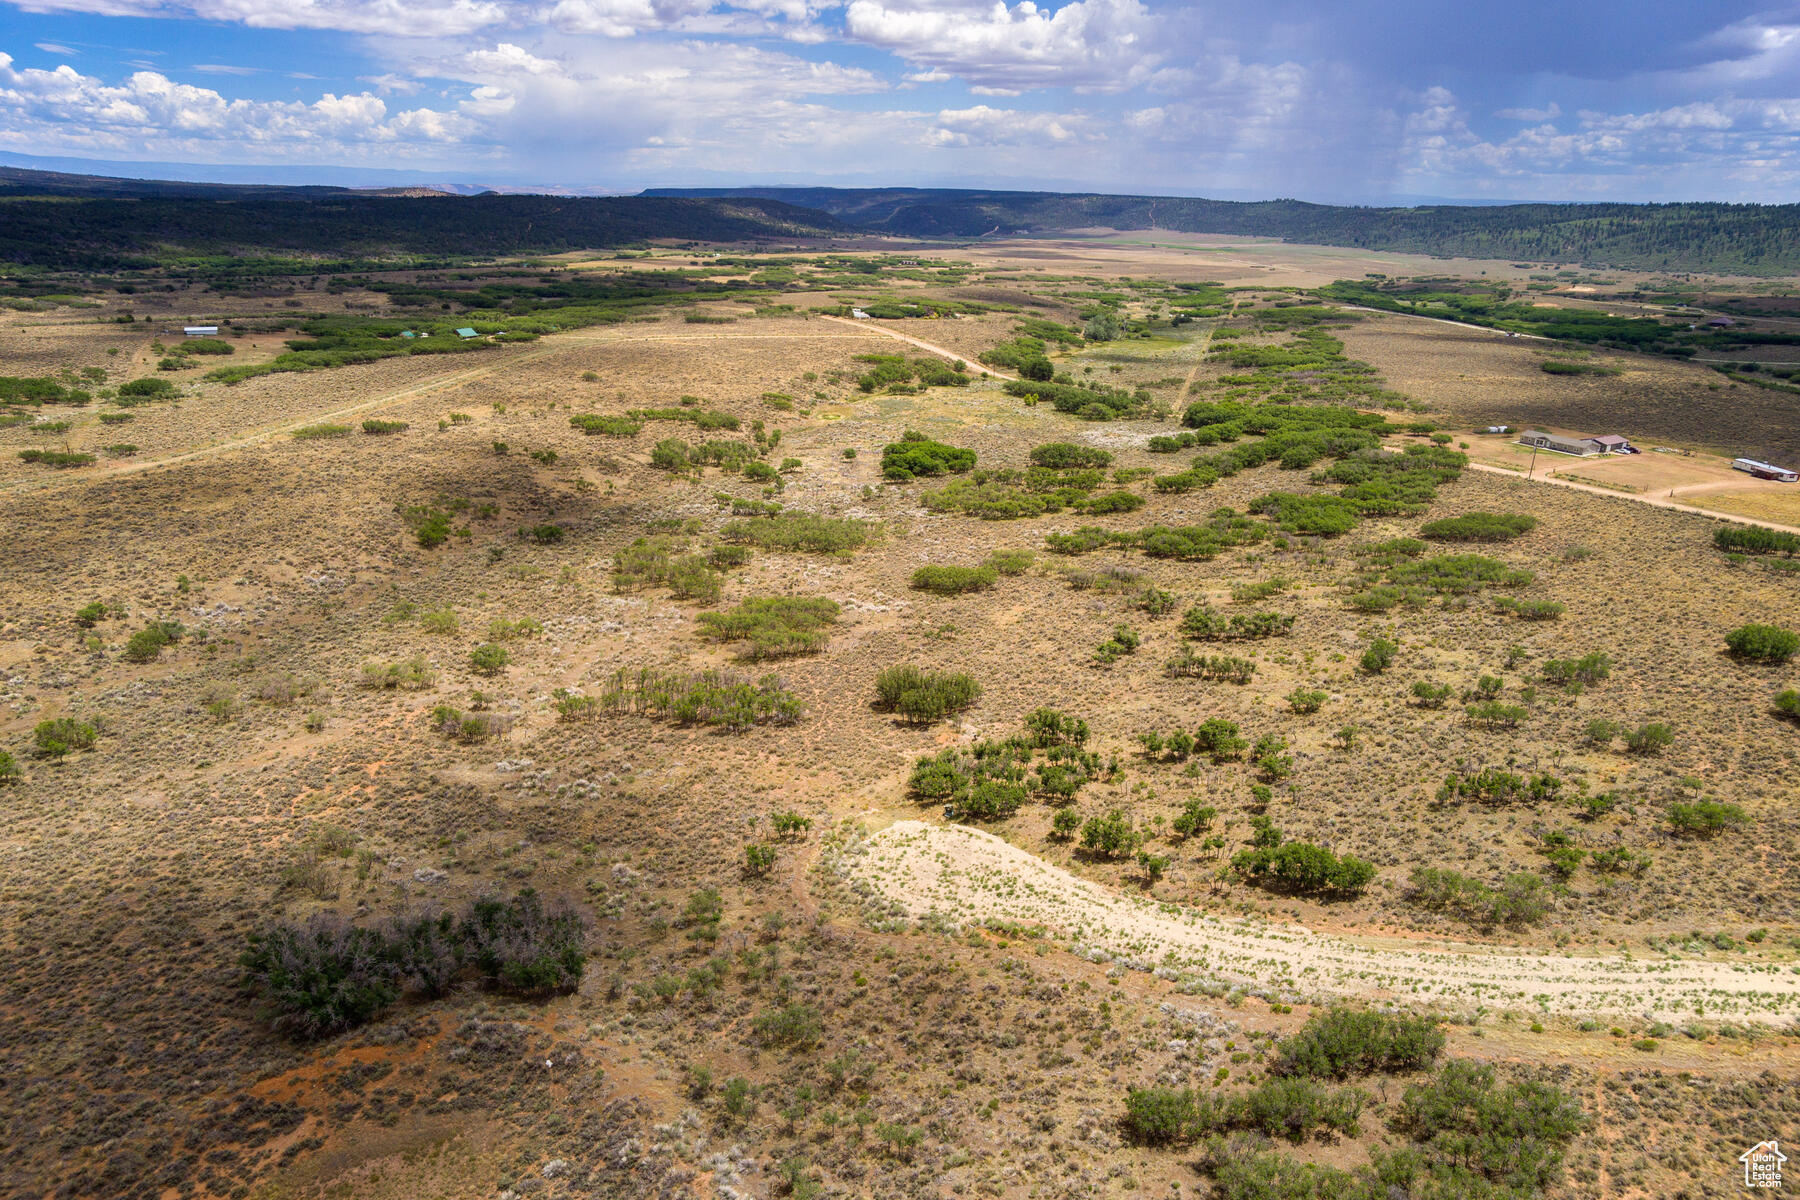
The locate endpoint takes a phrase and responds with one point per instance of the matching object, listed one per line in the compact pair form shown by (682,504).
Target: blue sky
(1577,99)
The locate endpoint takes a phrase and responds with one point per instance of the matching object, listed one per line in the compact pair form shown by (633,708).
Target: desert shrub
(1763,643)
(1064,455)
(1203,623)
(573,707)
(1530,610)
(1617,860)
(1250,593)
(1651,738)
(9,768)
(1495,714)
(1188,665)
(1160,1116)
(1157,602)
(725,557)
(1124,640)
(1430,695)
(720,698)
(954,581)
(57,458)
(803,532)
(595,423)
(1342,1042)
(1317,514)
(322,977)
(1110,836)
(116,418)
(1306,700)
(657,561)
(59,735)
(1511,1136)
(1303,867)
(1479,527)
(376,425)
(1521,899)
(774,626)
(411,674)
(1290,1107)
(992,800)
(1109,502)
(671,454)
(1456,574)
(148,643)
(1704,818)
(1295,1108)
(924,696)
(521,946)
(502,630)
(489,659)
(691,577)
(1194,818)
(1379,656)
(1083,540)
(1046,727)
(89,615)
(1492,785)
(543,535)
(1011,562)
(148,389)
(1589,668)
(1755,539)
(792,1025)
(1787,703)
(916,455)
(322,430)
(1218,739)
(759,859)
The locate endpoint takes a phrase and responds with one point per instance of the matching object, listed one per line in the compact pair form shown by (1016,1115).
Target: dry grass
(134,871)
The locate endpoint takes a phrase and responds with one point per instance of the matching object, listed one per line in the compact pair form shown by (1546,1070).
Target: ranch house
(1580,447)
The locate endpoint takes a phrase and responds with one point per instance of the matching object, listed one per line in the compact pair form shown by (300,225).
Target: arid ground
(967,1002)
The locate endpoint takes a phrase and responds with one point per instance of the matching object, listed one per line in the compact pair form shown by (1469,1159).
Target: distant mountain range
(133,222)
(1748,238)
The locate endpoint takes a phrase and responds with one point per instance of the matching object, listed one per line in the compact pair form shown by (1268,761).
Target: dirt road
(138,466)
(966,876)
(1499,333)
(1635,497)
(921,343)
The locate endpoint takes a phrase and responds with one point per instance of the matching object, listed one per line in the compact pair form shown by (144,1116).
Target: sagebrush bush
(954,581)
(1342,1042)
(774,626)
(326,975)
(1763,643)
(321,977)
(59,735)
(1479,527)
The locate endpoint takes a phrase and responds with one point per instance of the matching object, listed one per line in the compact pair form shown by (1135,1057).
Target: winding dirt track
(1655,501)
(136,467)
(965,875)
(921,343)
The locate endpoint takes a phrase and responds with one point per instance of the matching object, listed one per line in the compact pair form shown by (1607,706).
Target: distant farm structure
(200,331)
(1580,447)
(1763,470)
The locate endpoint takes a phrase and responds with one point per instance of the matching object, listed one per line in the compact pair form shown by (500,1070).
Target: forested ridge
(65,229)
(1748,238)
